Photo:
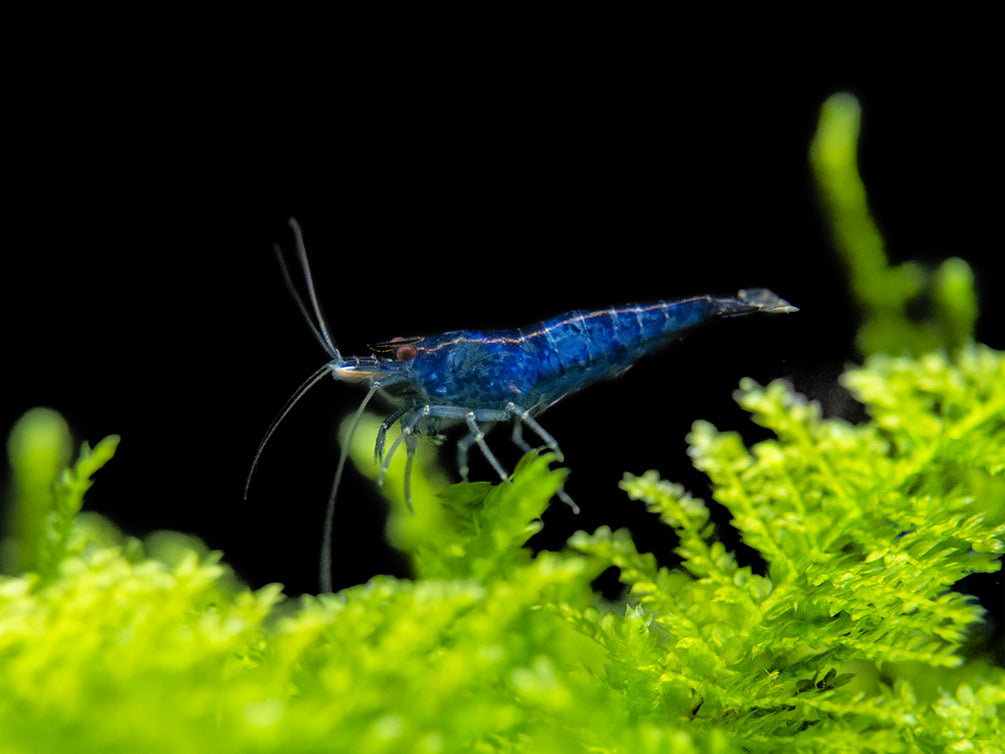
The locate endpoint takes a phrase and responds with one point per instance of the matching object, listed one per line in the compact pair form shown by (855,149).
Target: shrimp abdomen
(578,348)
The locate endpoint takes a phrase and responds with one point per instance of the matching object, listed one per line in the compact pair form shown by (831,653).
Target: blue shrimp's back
(536,366)
(475,369)
(576,349)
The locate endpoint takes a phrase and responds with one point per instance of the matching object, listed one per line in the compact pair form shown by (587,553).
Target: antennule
(302,253)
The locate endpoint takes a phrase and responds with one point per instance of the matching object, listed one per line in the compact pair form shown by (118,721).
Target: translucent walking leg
(479,437)
(406,432)
(523,417)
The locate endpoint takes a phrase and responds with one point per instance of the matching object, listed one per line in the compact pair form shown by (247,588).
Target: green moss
(851,639)
(906,309)
(853,630)
(48,496)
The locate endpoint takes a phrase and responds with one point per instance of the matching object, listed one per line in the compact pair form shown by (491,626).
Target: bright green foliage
(39,446)
(850,641)
(885,295)
(49,496)
(467,530)
(154,647)
(847,641)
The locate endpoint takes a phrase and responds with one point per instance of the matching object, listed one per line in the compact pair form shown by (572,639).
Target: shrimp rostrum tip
(475,379)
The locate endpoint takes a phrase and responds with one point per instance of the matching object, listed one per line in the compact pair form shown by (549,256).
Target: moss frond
(889,297)
(854,631)
(852,639)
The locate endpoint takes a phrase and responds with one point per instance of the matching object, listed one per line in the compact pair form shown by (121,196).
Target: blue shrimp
(473,378)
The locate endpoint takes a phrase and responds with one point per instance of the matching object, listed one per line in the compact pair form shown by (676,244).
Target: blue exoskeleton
(474,378)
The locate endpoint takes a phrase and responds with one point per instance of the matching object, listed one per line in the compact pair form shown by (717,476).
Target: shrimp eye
(403,348)
(404,352)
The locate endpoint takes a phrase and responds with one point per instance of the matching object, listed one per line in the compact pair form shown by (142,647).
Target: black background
(477,180)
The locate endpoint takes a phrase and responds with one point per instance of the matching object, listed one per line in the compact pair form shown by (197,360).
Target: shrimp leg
(407,429)
(475,436)
(471,417)
(378,448)
(522,416)
(410,425)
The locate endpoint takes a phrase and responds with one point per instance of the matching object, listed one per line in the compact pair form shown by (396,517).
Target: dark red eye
(406,352)
(402,348)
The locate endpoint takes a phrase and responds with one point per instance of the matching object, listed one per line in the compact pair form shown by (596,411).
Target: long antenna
(310,382)
(326,539)
(320,329)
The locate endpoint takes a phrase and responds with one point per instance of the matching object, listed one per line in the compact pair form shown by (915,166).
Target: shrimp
(475,378)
